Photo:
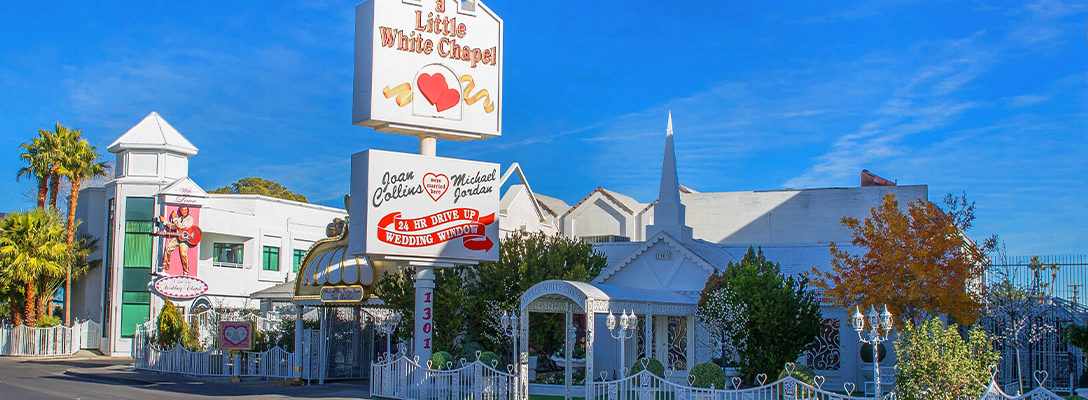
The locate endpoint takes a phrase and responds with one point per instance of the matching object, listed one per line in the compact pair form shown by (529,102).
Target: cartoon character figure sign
(180,230)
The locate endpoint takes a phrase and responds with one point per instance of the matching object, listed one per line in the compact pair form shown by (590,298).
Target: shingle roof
(278,291)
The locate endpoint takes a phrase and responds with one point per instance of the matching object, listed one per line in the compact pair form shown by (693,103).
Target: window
(298,256)
(227,255)
(137,261)
(271,258)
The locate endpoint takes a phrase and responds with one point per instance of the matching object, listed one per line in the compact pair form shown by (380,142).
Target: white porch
(666,327)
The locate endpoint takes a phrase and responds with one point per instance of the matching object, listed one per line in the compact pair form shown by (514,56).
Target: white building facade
(247,243)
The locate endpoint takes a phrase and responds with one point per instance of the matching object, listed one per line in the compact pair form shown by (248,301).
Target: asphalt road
(22,379)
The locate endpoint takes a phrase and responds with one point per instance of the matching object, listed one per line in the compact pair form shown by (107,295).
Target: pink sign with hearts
(236,335)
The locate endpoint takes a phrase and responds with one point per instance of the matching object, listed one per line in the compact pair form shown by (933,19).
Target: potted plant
(867,359)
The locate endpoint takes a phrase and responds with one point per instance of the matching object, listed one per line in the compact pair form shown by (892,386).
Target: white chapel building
(249,242)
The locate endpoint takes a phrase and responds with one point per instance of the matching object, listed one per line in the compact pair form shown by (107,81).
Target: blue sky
(982,97)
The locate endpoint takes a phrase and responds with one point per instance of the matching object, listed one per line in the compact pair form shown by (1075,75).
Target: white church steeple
(669,212)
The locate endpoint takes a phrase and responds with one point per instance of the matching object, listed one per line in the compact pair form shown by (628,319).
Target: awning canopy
(327,264)
(548,296)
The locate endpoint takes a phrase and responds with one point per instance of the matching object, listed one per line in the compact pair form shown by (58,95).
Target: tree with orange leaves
(919,262)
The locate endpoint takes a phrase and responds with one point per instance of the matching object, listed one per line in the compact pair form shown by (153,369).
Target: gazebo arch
(569,297)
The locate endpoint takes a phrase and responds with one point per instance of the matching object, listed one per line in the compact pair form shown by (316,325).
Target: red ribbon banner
(472,233)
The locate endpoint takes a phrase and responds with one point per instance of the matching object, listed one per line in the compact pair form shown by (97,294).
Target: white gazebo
(589,299)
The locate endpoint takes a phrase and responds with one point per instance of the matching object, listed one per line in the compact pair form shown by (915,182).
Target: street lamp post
(628,327)
(876,322)
(511,327)
(386,323)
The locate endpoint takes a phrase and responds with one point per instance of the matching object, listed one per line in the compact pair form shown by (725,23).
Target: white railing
(39,342)
(401,378)
(646,385)
(90,334)
(273,363)
(994,392)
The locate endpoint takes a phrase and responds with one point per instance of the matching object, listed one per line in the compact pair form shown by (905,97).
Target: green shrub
(802,373)
(490,359)
(171,326)
(653,365)
(937,363)
(706,374)
(47,321)
(867,352)
(440,359)
(468,350)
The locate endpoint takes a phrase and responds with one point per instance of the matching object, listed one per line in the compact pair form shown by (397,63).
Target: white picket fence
(26,341)
(646,385)
(273,363)
(402,378)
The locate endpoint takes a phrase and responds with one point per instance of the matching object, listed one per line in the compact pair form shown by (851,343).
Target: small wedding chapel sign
(236,335)
(180,287)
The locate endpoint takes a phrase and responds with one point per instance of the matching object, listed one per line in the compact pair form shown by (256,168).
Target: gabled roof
(552,205)
(184,187)
(610,195)
(153,133)
(685,249)
(516,168)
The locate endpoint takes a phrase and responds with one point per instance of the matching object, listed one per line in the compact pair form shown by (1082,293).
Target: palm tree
(79,162)
(54,146)
(33,245)
(36,155)
(82,247)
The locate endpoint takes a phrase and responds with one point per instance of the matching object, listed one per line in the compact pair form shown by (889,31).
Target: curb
(109,378)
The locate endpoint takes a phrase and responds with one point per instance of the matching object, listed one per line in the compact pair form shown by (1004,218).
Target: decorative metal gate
(348,342)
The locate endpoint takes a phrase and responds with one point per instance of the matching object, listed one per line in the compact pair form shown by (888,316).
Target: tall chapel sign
(431,66)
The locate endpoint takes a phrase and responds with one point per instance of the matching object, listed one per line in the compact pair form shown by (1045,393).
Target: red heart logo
(449,99)
(436,185)
(433,87)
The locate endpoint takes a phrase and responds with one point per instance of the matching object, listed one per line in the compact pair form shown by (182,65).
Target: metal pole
(875,336)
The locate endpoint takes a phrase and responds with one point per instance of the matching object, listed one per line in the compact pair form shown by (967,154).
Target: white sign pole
(424,326)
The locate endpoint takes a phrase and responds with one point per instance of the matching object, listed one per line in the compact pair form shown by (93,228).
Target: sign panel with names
(432,207)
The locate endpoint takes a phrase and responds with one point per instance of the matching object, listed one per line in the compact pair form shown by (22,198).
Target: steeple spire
(669,212)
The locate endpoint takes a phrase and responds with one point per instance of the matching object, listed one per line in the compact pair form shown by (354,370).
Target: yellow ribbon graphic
(402,91)
(482,94)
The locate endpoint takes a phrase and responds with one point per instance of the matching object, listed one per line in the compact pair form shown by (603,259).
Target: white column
(648,352)
(589,352)
(568,353)
(424,324)
(523,354)
(298,344)
(690,337)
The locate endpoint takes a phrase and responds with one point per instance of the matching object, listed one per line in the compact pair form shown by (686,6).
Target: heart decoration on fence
(449,364)
(478,354)
(510,368)
(668,373)
(691,380)
(849,386)
(762,379)
(495,364)
(993,371)
(819,381)
(604,376)
(1040,376)
(416,359)
(789,368)
(736,382)
(429,365)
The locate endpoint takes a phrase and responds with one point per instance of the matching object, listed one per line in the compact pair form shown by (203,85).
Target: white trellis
(569,298)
